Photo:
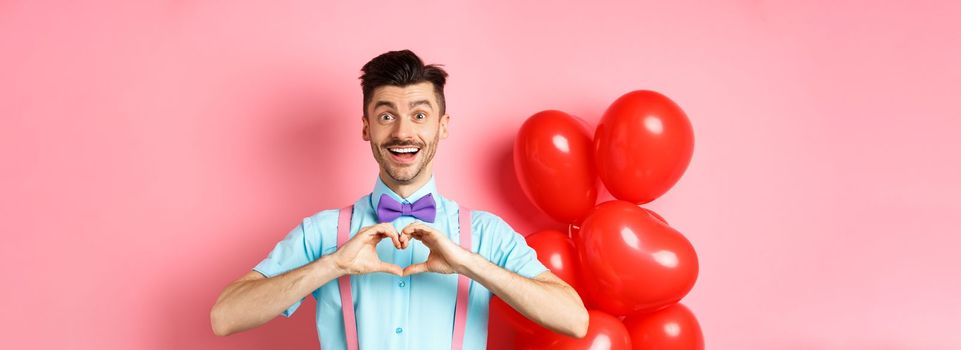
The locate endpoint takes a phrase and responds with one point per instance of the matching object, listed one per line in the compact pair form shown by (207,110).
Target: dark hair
(401,68)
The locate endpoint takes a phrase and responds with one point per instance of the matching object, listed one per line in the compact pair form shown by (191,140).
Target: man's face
(403,125)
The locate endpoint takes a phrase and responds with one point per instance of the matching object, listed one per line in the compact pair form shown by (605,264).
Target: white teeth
(404,150)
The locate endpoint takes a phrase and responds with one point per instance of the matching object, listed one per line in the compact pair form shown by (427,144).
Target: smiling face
(403,125)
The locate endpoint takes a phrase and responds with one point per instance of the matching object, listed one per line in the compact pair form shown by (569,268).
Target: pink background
(153,151)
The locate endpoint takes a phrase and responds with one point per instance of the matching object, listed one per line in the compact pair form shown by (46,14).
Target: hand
(445,256)
(359,254)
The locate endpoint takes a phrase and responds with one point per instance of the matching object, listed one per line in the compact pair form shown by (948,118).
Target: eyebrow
(420,102)
(384,103)
(413,104)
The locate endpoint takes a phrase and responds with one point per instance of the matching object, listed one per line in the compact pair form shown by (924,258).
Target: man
(401,266)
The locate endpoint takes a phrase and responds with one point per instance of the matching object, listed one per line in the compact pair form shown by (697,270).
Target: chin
(403,176)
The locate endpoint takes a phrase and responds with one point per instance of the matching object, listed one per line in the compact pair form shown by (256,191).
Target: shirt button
(399,330)
(402,284)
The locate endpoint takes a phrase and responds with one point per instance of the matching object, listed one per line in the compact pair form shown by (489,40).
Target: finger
(404,240)
(406,236)
(417,230)
(394,238)
(426,234)
(410,228)
(363,232)
(415,269)
(389,227)
(384,227)
(386,230)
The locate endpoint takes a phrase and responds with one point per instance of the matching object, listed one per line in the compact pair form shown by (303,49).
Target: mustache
(402,143)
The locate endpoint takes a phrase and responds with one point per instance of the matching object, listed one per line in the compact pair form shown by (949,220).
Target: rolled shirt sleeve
(511,251)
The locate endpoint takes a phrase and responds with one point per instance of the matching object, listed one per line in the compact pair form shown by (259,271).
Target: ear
(366,129)
(443,126)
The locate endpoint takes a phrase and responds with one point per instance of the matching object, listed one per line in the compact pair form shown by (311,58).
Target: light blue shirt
(412,312)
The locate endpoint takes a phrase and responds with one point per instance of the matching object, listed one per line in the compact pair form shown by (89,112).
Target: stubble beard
(406,174)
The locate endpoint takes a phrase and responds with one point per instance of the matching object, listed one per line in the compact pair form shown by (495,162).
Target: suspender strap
(346,299)
(463,283)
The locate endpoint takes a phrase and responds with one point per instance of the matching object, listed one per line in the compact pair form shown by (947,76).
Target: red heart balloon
(605,332)
(573,231)
(642,146)
(556,251)
(553,161)
(655,215)
(670,328)
(634,261)
(503,311)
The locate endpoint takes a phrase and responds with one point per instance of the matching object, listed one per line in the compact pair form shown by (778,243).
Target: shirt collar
(381,188)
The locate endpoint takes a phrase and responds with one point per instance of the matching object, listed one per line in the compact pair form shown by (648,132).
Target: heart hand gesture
(359,254)
(445,256)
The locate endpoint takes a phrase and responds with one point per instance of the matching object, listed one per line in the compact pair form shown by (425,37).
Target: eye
(420,116)
(386,116)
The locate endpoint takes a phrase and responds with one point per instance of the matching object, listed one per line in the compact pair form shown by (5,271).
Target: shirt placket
(401,299)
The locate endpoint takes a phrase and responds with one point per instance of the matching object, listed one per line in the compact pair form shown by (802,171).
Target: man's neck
(406,189)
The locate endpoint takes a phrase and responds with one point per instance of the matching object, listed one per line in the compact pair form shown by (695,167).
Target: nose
(403,129)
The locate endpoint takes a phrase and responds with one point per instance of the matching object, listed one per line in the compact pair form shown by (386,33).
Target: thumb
(415,269)
(390,268)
